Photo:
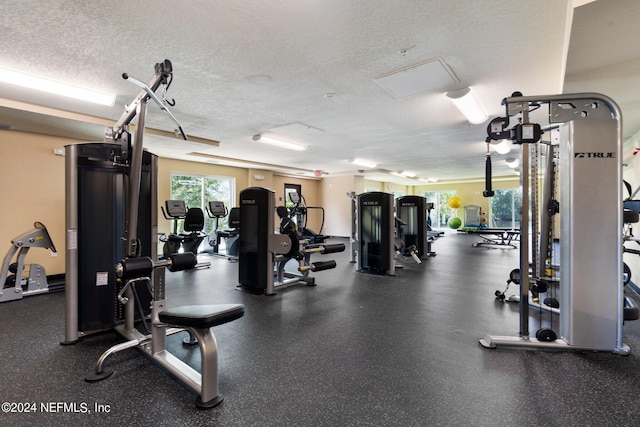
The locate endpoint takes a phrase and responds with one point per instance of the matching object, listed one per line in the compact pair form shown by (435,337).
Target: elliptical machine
(299,211)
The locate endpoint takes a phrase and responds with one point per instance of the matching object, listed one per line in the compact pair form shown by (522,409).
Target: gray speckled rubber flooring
(355,350)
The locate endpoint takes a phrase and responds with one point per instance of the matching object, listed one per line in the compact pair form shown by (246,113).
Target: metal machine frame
(135,268)
(590,150)
(263,254)
(36,283)
(413,211)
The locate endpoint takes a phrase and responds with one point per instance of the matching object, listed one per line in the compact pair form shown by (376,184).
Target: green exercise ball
(454,222)
(455,202)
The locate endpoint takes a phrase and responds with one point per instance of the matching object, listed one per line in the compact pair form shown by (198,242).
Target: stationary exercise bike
(217,210)
(193,225)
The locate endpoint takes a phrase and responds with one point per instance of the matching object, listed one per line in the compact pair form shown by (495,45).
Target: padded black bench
(199,319)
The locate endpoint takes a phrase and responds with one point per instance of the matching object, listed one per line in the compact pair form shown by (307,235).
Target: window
(198,190)
(291,188)
(441,211)
(397,194)
(505,208)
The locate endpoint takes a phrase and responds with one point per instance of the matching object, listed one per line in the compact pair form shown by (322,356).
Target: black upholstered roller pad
(202,316)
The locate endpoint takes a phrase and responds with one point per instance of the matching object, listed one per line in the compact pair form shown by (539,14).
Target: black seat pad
(201,316)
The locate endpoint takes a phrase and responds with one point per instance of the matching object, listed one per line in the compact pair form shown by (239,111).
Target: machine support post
(134,181)
(524,242)
(71,333)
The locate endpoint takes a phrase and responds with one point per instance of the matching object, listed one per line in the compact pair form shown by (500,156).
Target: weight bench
(199,319)
(196,319)
(493,237)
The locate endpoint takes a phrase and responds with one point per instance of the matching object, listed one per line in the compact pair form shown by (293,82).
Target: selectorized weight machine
(263,254)
(591,275)
(373,241)
(412,210)
(372,237)
(111,266)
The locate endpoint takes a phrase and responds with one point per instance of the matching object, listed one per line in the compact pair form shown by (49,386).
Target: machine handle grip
(488,192)
(183,261)
(322,265)
(329,249)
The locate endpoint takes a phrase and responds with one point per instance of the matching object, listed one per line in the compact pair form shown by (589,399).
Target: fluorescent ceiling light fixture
(502,147)
(468,105)
(512,162)
(432,179)
(55,87)
(363,162)
(409,174)
(279,143)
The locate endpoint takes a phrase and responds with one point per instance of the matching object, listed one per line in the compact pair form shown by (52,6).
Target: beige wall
(32,189)
(337,204)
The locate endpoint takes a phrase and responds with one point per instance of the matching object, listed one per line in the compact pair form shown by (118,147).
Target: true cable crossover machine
(590,158)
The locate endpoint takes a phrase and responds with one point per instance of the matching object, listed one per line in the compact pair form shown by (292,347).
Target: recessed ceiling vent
(433,75)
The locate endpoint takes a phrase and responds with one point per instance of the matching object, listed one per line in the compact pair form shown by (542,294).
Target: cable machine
(111,226)
(591,285)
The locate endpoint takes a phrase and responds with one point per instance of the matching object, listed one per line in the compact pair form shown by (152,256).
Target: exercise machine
(97,181)
(299,211)
(412,210)
(111,223)
(263,254)
(197,320)
(431,233)
(590,153)
(14,284)
(375,240)
(299,253)
(217,210)
(193,225)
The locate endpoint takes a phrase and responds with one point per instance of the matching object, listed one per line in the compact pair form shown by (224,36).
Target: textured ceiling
(244,67)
